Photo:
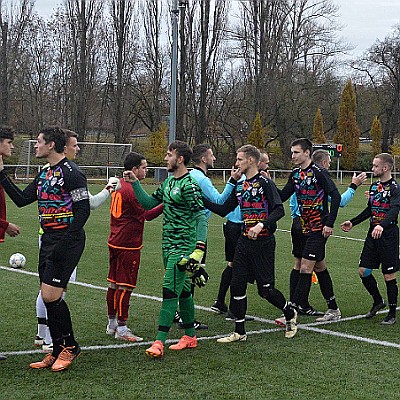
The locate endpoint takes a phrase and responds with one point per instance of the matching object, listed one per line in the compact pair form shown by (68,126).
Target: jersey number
(116,205)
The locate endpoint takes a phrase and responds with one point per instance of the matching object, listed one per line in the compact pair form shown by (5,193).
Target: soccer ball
(17,260)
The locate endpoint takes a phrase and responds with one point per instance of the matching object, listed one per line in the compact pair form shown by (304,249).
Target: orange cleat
(65,358)
(156,350)
(186,342)
(47,362)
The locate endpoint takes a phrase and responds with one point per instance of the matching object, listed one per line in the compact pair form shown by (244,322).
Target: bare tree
(381,65)
(122,60)
(83,19)
(203,68)
(13,24)
(286,48)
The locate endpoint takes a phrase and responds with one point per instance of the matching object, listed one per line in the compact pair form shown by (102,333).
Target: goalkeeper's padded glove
(200,277)
(192,263)
(113,184)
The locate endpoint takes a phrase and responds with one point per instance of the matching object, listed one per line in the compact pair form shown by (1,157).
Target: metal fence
(102,173)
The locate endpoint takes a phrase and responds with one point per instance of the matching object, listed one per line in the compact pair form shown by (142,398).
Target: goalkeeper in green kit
(183,244)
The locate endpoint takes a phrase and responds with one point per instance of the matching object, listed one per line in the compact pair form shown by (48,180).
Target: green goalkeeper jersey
(184,219)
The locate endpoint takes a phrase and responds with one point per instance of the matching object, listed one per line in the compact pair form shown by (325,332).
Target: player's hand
(113,184)
(235,173)
(254,231)
(366,194)
(12,230)
(129,176)
(200,277)
(192,263)
(327,231)
(346,226)
(377,232)
(359,179)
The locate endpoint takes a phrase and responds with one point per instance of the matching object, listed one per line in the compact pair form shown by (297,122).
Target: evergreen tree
(156,145)
(348,132)
(376,136)
(318,128)
(256,136)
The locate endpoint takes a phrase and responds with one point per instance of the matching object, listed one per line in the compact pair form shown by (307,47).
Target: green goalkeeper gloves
(191,265)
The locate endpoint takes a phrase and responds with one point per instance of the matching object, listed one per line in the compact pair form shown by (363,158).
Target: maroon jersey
(127,219)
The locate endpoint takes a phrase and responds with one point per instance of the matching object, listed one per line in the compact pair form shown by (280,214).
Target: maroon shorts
(124,267)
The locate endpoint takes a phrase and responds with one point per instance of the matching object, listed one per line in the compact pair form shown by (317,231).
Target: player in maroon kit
(124,243)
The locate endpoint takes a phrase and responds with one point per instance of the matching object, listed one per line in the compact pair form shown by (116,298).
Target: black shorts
(254,261)
(59,255)
(232,232)
(298,238)
(314,246)
(384,250)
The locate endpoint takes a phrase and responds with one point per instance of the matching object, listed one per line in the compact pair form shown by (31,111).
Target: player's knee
(238,290)
(185,295)
(169,294)
(265,291)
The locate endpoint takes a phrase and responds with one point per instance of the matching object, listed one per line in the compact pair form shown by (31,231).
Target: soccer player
(381,246)
(232,229)
(71,149)
(63,205)
(203,159)
(254,258)
(312,186)
(183,243)
(323,159)
(124,244)
(12,230)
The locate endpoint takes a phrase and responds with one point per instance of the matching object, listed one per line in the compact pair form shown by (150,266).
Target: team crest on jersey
(175,191)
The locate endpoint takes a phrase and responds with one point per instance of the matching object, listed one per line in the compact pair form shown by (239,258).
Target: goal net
(96,160)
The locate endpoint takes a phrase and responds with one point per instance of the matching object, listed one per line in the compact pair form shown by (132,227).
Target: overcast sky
(364,20)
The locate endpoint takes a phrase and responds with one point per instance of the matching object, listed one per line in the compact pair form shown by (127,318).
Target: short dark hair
(6,133)
(200,150)
(304,143)
(182,149)
(133,160)
(68,134)
(56,135)
(320,155)
(250,151)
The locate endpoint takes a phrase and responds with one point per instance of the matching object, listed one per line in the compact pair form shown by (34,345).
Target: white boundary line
(335,236)
(313,327)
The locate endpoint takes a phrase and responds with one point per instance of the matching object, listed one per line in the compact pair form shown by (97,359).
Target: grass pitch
(350,359)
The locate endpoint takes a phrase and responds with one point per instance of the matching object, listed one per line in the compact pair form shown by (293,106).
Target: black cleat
(309,311)
(389,320)
(219,307)
(375,308)
(198,326)
(231,317)
(177,317)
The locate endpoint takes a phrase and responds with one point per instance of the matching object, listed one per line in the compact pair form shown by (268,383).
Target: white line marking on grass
(137,344)
(335,236)
(313,327)
(353,337)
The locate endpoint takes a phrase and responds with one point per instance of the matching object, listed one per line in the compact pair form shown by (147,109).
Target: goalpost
(96,160)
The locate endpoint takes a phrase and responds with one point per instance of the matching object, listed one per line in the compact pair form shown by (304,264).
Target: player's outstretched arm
(146,201)
(98,199)
(20,197)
